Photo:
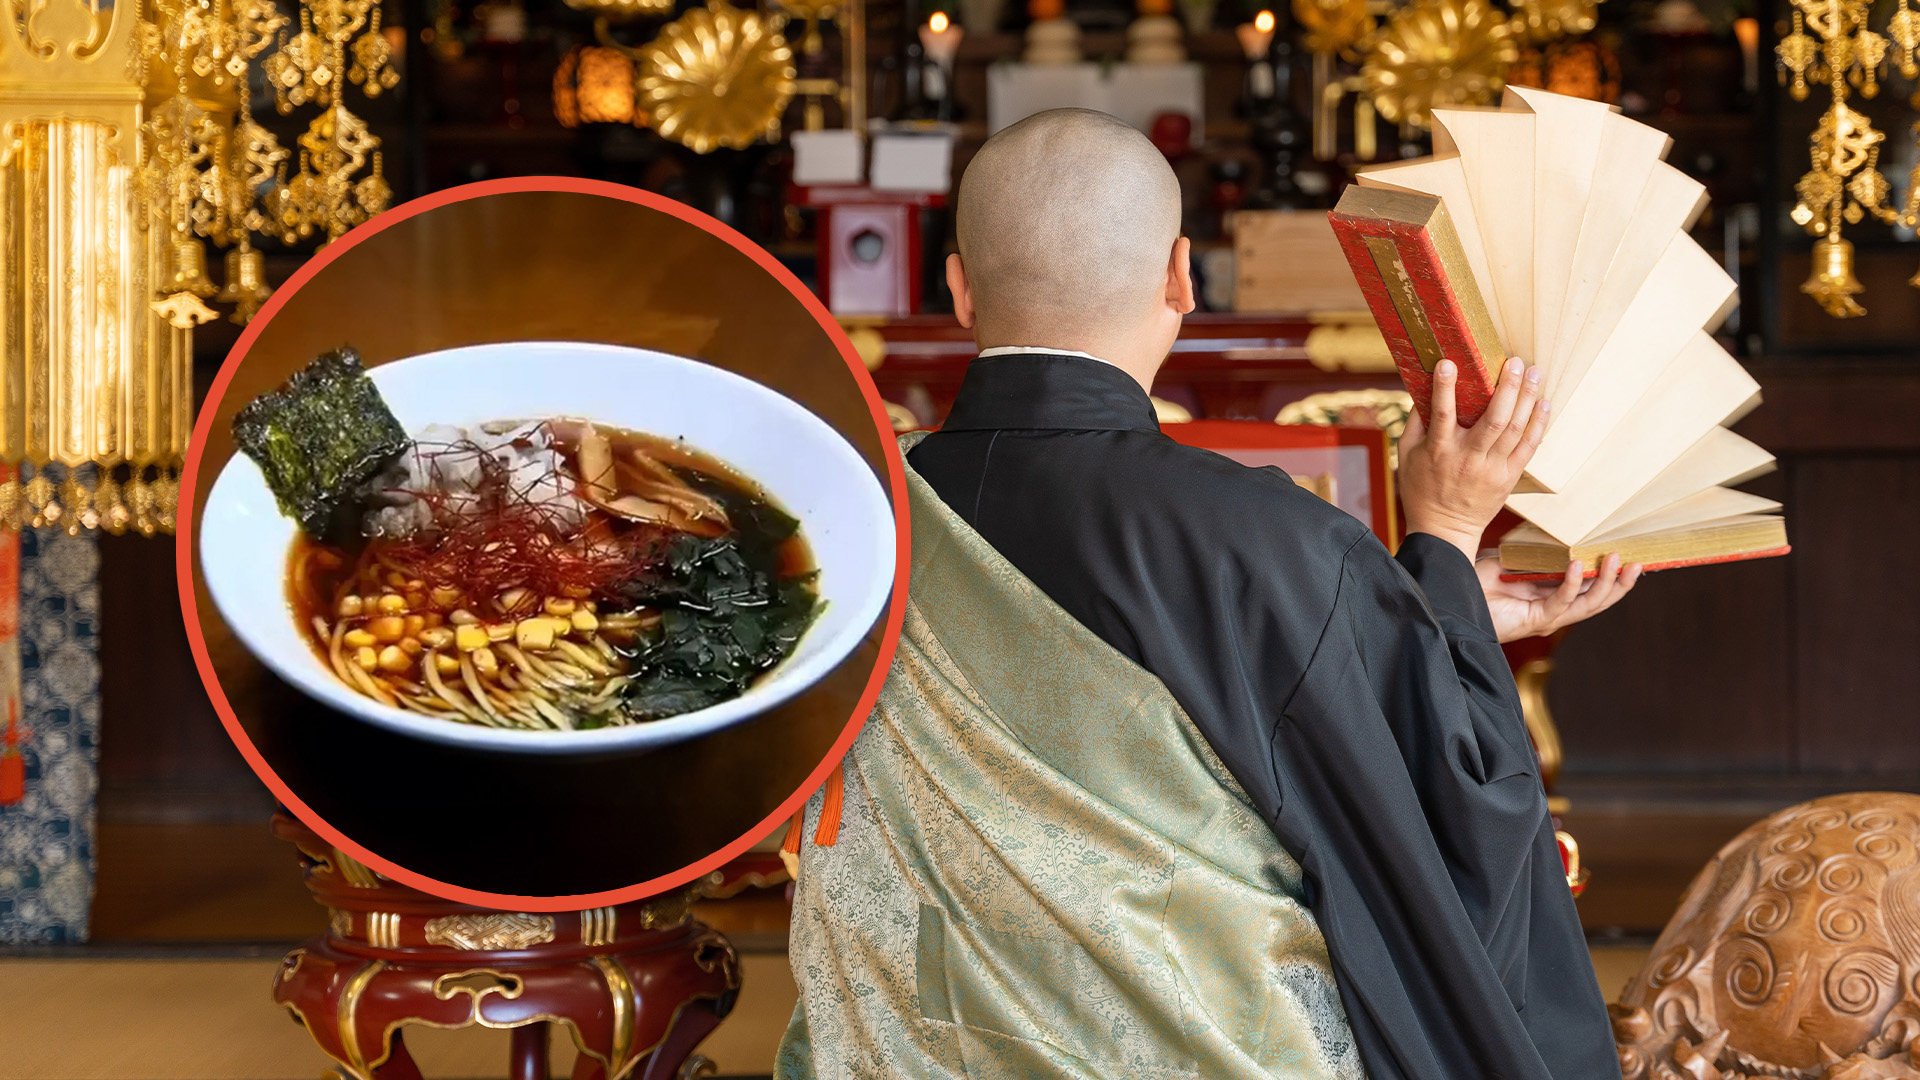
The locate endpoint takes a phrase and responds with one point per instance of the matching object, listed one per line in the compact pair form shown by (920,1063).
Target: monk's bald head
(1066,223)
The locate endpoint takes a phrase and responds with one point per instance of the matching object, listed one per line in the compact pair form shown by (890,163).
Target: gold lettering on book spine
(1413,315)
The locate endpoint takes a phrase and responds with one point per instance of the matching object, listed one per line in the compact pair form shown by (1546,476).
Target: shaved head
(1067,224)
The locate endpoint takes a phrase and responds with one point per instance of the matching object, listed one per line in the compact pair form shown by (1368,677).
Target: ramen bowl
(800,463)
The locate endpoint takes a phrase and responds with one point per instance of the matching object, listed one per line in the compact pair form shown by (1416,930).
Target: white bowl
(807,467)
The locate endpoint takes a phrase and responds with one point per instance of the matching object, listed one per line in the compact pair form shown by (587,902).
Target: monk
(1178,772)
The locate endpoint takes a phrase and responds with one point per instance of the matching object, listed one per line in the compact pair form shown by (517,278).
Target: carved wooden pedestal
(635,987)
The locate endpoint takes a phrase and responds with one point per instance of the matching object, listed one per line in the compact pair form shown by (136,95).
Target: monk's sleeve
(1409,782)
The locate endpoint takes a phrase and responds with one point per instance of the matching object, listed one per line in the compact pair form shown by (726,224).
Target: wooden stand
(636,987)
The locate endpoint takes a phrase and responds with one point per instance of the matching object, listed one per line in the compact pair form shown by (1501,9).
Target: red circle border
(896,608)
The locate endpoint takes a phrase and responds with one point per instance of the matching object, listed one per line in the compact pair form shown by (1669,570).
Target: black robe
(1362,701)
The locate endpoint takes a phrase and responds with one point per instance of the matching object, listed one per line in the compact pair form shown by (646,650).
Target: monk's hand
(1523,609)
(1453,479)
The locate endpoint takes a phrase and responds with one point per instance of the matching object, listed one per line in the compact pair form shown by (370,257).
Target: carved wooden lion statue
(1795,954)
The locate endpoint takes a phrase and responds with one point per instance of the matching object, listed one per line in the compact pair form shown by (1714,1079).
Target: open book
(1550,228)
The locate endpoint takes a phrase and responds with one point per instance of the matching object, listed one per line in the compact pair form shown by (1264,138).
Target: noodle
(500,610)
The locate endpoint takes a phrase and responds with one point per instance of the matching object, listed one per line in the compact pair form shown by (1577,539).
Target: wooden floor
(190,921)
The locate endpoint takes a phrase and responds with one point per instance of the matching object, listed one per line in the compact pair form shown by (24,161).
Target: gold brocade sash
(1042,868)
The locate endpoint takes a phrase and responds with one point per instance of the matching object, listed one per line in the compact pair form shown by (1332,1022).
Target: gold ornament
(717,76)
(96,347)
(1832,43)
(1541,21)
(1437,53)
(621,10)
(1832,283)
(1332,26)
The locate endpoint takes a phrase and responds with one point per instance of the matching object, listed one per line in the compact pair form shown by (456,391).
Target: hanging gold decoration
(339,182)
(717,77)
(1844,185)
(1437,53)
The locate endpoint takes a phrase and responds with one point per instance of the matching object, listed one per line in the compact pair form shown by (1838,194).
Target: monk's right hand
(1454,479)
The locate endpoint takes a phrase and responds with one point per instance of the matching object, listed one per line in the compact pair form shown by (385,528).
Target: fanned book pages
(1553,229)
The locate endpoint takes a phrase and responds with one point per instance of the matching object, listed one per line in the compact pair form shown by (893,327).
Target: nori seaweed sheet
(319,438)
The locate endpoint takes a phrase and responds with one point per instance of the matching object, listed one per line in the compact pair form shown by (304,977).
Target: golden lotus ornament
(1437,53)
(717,77)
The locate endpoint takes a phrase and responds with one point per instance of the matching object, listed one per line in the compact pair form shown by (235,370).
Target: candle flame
(938,23)
(1263,22)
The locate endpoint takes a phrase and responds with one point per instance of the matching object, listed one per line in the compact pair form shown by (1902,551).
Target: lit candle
(940,37)
(1256,38)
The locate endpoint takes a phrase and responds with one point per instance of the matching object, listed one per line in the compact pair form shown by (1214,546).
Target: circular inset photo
(545,544)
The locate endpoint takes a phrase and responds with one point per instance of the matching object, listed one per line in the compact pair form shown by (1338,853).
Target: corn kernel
(485,662)
(558,606)
(434,619)
(412,646)
(436,637)
(366,658)
(387,628)
(585,622)
(415,624)
(500,632)
(416,600)
(396,579)
(533,634)
(590,605)
(350,605)
(513,599)
(463,617)
(391,604)
(358,639)
(394,661)
(469,638)
(445,665)
(444,597)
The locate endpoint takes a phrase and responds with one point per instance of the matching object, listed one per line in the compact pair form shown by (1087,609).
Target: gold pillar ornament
(718,76)
(1844,185)
(95,337)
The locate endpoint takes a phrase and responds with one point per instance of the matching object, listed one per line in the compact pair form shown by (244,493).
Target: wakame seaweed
(319,438)
(725,618)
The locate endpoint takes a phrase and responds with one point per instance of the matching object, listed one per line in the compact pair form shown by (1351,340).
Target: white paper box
(902,162)
(828,157)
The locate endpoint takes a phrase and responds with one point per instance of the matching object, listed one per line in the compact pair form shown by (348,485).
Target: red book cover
(1405,254)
